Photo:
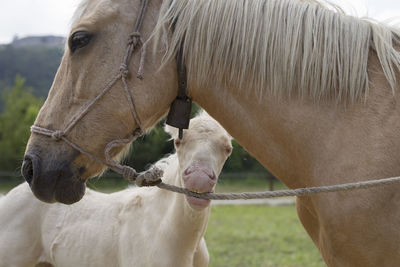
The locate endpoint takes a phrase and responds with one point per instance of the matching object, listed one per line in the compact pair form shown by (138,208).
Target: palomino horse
(133,227)
(310,92)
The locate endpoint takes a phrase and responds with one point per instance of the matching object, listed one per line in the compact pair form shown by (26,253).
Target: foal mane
(287,47)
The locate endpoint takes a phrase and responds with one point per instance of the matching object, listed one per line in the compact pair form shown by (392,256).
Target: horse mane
(287,47)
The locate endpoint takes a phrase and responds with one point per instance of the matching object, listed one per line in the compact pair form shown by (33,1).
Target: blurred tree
(21,108)
(37,64)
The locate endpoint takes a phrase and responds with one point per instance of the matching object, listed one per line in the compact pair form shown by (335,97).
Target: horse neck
(308,144)
(185,226)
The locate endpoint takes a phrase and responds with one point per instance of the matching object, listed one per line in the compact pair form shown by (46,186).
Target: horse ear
(172,131)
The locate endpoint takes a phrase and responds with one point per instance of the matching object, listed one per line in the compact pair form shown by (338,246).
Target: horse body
(311,117)
(133,227)
(311,145)
(305,142)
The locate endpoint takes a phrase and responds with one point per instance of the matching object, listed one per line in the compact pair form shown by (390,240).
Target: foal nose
(199,178)
(194,168)
(30,167)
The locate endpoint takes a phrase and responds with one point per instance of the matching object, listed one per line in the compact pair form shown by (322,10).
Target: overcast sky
(41,17)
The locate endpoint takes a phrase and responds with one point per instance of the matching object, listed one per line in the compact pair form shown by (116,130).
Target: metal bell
(179,114)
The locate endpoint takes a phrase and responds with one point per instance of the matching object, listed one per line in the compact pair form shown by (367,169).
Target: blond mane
(287,47)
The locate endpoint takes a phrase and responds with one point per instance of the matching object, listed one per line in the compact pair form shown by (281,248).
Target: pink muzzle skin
(199,178)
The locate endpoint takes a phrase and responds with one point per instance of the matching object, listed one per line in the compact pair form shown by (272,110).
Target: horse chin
(198,203)
(69,193)
(66,190)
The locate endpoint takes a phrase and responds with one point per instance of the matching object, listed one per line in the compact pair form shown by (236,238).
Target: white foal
(133,227)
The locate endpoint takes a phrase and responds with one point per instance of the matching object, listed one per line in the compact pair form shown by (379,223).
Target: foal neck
(184,226)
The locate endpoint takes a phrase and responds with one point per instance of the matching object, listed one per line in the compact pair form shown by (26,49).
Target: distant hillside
(46,40)
(34,58)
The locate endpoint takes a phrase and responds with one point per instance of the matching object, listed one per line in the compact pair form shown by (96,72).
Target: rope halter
(148,178)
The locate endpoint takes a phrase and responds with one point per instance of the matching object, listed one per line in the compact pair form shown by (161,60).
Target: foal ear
(172,131)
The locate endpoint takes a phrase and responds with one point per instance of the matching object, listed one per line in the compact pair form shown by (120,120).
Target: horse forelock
(287,47)
(80,10)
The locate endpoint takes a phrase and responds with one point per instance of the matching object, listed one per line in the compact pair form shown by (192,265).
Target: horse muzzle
(53,180)
(199,178)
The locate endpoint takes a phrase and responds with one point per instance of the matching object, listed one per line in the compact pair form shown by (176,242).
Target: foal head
(95,50)
(202,152)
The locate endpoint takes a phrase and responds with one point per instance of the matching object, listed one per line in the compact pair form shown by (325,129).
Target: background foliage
(37,64)
(21,108)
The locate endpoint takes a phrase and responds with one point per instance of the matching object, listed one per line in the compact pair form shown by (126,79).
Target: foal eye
(78,40)
(177,142)
(228,150)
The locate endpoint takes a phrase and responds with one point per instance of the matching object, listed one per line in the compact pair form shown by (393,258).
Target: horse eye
(228,150)
(78,40)
(177,142)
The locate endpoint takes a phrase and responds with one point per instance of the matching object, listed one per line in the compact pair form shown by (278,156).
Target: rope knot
(138,132)
(129,173)
(151,177)
(57,135)
(123,69)
(135,36)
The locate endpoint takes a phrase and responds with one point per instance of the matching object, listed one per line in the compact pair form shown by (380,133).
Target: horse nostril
(28,169)
(213,176)
(187,171)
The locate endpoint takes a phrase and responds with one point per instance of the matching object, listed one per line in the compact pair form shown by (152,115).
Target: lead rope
(152,177)
(284,193)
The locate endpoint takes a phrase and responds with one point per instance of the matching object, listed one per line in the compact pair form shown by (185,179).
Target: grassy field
(248,183)
(259,236)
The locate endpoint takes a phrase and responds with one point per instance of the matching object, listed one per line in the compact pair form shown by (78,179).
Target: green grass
(247,184)
(259,236)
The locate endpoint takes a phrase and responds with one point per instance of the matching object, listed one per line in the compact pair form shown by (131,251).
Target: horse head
(202,152)
(96,98)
